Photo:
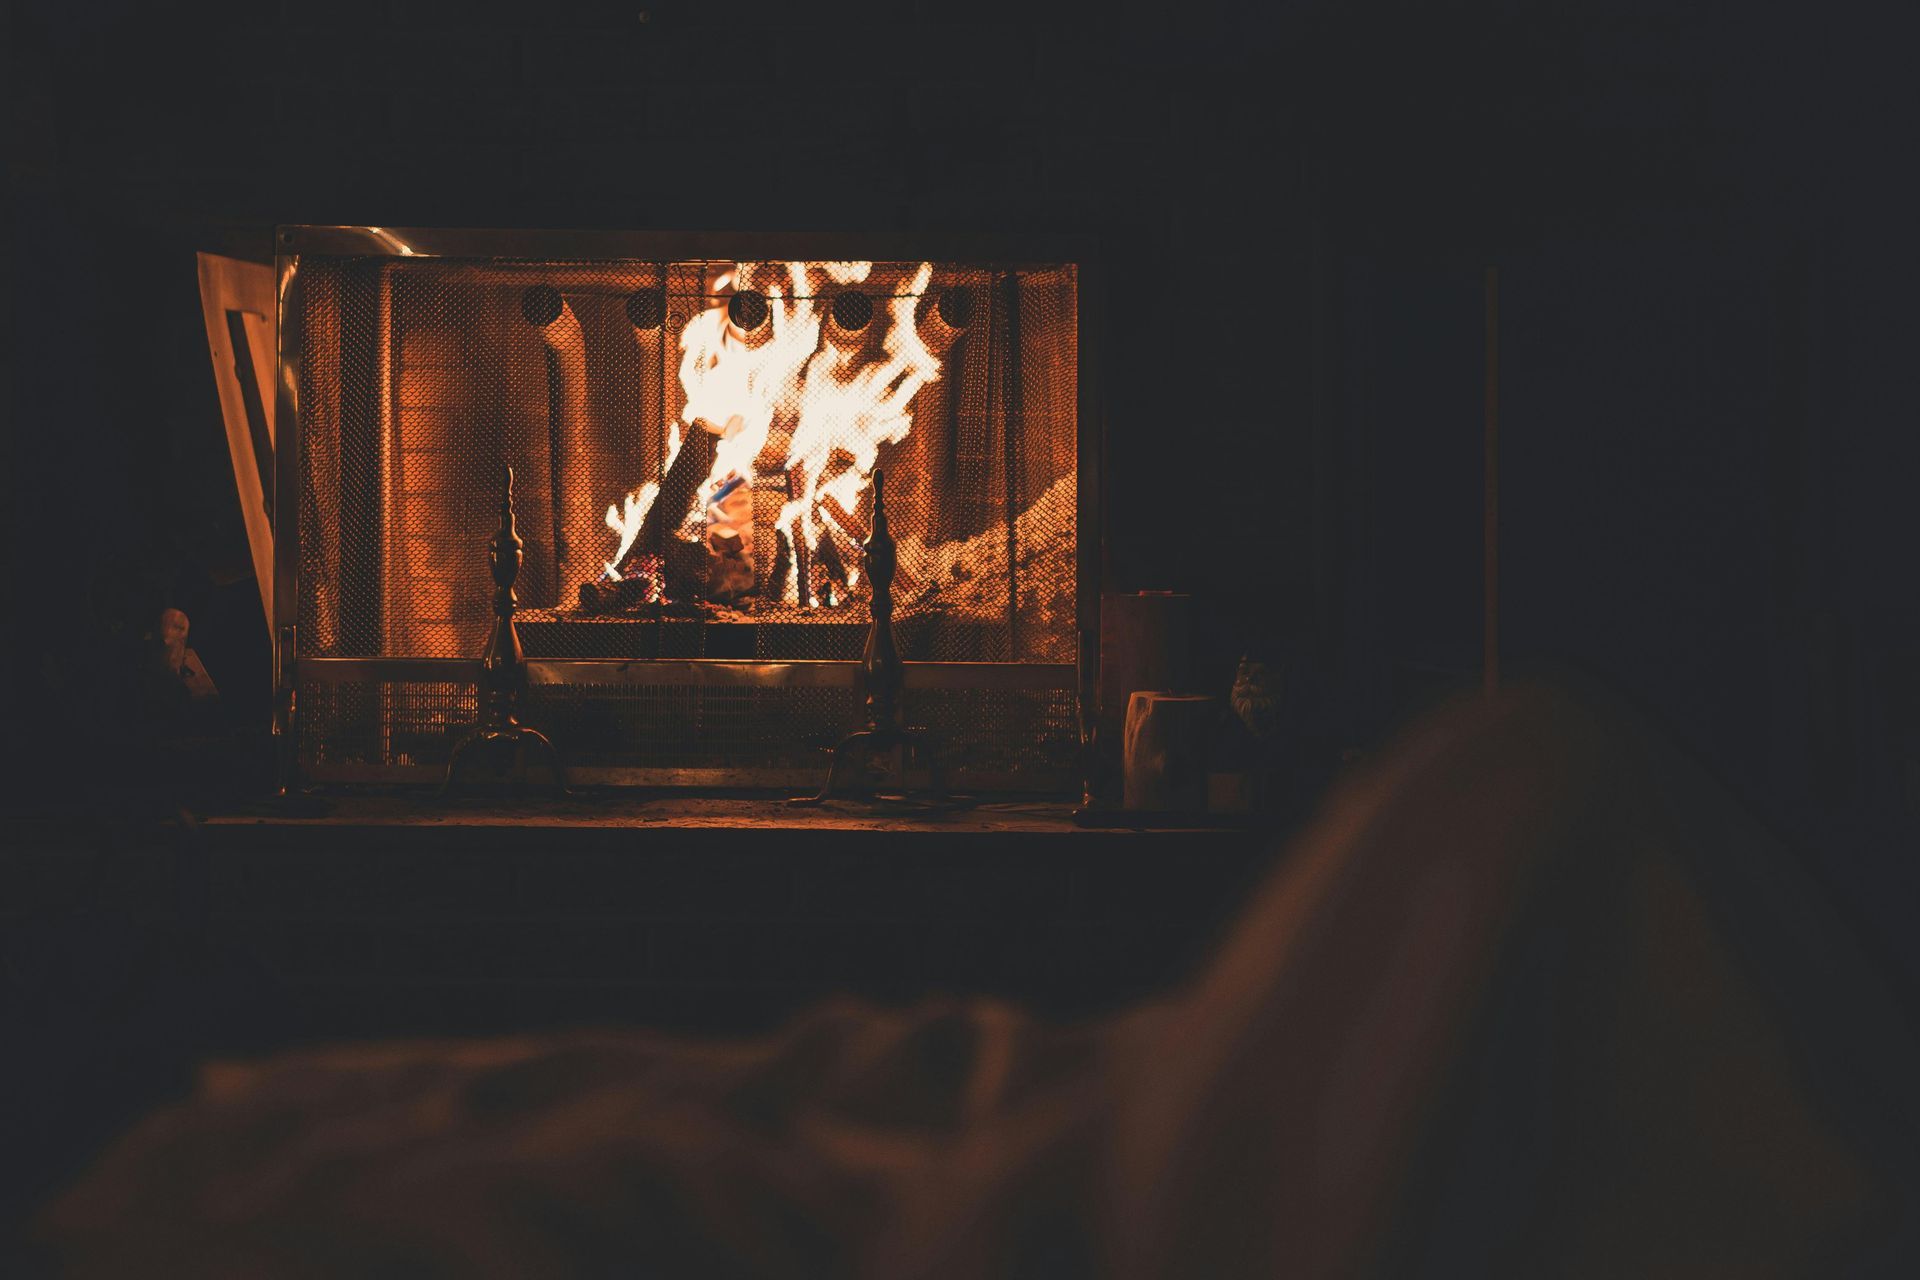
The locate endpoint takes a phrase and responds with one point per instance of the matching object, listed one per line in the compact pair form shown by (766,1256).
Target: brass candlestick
(500,743)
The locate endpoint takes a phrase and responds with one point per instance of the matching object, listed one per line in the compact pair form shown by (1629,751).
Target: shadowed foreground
(1529,997)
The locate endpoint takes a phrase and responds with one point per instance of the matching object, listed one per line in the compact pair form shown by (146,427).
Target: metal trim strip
(744,778)
(665,246)
(709,672)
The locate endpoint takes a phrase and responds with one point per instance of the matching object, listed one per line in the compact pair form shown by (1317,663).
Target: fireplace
(692,423)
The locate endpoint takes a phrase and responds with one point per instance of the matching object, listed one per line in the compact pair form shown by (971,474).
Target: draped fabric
(1531,996)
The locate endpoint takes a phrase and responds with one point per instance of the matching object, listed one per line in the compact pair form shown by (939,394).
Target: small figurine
(176,694)
(1247,752)
(1256,698)
(173,657)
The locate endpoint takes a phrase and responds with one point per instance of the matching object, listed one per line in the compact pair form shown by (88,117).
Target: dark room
(908,639)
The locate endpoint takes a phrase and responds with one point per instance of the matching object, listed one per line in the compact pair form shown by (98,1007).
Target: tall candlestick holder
(881,675)
(498,752)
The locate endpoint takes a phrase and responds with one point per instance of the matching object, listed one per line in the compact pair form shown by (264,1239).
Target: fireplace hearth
(694,423)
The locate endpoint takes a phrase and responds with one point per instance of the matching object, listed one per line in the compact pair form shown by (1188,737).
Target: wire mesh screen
(383,725)
(378,729)
(692,445)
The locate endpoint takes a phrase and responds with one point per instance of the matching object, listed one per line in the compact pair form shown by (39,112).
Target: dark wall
(147,134)
(1703,286)
(1698,218)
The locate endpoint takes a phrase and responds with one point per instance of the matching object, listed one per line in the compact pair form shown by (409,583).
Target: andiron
(497,752)
(881,676)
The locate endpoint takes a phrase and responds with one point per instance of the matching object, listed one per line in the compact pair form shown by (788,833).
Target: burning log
(730,574)
(782,564)
(793,393)
(678,490)
(838,548)
(684,569)
(832,588)
(615,597)
(658,555)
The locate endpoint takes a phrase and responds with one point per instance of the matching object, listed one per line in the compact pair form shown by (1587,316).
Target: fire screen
(693,437)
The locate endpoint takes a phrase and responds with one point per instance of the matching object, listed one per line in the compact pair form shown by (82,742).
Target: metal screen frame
(293,243)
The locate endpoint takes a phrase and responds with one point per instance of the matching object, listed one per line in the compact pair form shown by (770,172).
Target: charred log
(782,565)
(615,597)
(832,574)
(684,568)
(730,575)
(678,489)
(729,578)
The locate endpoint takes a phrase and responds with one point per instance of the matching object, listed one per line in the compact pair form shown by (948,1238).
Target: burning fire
(626,523)
(799,395)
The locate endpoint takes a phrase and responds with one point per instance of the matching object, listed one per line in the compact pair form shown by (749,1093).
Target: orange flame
(832,398)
